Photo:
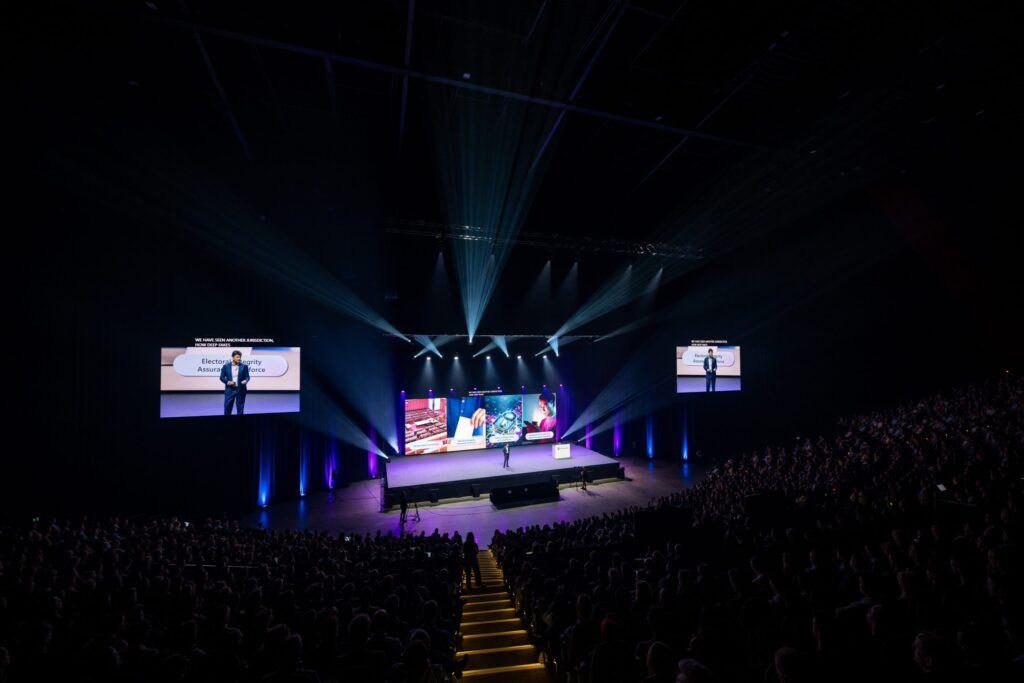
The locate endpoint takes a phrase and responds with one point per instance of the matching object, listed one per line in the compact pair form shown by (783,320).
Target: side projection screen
(232,379)
(707,368)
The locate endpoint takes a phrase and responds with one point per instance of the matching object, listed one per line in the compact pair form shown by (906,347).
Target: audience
(890,551)
(160,600)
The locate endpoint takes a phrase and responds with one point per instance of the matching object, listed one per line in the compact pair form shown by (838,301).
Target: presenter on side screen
(506,449)
(235,377)
(710,371)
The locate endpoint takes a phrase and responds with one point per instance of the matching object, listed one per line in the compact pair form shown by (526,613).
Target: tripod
(415,507)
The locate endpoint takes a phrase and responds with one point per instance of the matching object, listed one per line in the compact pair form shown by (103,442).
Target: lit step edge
(502,669)
(492,650)
(493,621)
(516,632)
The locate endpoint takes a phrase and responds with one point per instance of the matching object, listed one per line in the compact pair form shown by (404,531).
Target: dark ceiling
(704,124)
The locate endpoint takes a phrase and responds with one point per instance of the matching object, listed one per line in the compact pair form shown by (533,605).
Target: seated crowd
(891,551)
(166,601)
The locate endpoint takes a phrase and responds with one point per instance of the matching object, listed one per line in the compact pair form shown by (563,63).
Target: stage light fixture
(519,356)
(455,358)
(488,357)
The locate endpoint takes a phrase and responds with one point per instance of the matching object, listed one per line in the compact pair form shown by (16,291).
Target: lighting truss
(544,240)
(564,339)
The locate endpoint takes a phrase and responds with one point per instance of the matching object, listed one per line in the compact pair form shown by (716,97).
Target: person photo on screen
(710,371)
(543,418)
(546,412)
(235,377)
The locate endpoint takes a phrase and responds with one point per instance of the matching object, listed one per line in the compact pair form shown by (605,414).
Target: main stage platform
(455,475)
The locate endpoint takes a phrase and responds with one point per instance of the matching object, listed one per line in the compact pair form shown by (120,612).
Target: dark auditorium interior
(541,341)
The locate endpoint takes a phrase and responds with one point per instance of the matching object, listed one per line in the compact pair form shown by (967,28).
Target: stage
(454,475)
(357,507)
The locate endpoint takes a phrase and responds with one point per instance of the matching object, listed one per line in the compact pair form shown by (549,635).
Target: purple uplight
(331,464)
(371,454)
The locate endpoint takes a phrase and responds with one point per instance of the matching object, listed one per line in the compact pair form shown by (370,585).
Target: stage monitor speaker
(524,494)
(475,490)
(621,472)
(434,495)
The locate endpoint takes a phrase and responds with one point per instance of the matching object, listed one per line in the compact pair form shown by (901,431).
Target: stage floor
(357,508)
(407,471)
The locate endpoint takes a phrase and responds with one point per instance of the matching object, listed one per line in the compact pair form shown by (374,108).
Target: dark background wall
(135,221)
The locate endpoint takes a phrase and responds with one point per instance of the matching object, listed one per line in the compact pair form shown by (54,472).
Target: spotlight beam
(428,345)
(215,217)
(555,344)
(455,83)
(488,347)
(636,281)
(432,345)
(501,343)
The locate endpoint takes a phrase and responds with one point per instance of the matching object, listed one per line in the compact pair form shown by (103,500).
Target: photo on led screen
(707,368)
(504,419)
(446,425)
(426,424)
(539,419)
(198,381)
(443,425)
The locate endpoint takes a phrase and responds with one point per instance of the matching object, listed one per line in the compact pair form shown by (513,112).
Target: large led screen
(707,368)
(445,425)
(233,379)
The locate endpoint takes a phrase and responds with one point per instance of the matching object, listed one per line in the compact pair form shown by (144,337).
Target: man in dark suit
(506,450)
(710,371)
(235,378)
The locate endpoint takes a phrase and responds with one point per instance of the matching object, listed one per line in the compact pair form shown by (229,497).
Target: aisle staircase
(493,636)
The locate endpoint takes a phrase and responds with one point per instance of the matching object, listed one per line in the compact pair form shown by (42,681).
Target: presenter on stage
(506,449)
(235,377)
(710,371)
